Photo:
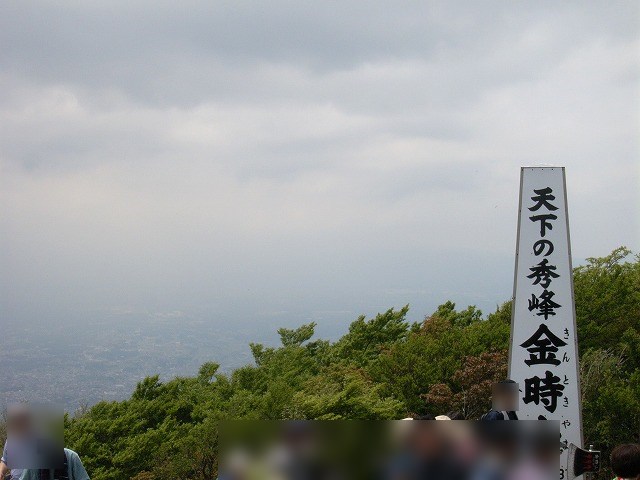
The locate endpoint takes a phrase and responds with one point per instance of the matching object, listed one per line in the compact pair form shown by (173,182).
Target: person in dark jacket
(505,402)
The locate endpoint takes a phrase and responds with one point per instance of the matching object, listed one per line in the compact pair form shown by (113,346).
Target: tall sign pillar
(543,353)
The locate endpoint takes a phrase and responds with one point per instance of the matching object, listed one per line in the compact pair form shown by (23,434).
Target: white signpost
(543,353)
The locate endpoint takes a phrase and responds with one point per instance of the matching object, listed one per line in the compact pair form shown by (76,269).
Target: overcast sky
(225,159)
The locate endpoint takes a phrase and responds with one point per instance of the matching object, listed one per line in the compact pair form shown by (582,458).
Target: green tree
(607,294)
(366,339)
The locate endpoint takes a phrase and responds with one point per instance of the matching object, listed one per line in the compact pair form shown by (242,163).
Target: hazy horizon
(231,163)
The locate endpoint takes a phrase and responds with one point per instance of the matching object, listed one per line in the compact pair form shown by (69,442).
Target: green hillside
(382,368)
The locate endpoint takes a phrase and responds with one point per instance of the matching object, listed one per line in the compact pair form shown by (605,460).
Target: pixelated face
(19,421)
(505,397)
(34,437)
(387,449)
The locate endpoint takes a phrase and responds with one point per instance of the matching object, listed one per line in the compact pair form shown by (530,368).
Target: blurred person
(504,401)
(71,469)
(18,427)
(498,450)
(234,465)
(455,415)
(541,458)
(425,453)
(426,416)
(34,442)
(296,455)
(14,473)
(625,461)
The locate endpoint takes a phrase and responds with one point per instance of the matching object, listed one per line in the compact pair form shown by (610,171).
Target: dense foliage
(382,368)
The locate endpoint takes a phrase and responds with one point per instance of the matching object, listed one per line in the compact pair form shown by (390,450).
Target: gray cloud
(301,156)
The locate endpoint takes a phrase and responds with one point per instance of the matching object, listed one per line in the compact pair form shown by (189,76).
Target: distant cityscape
(80,363)
(104,360)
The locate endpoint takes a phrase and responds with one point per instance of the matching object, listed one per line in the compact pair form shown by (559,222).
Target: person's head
(625,461)
(426,416)
(19,420)
(505,395)
(544,442)
(499,440)
(425,440)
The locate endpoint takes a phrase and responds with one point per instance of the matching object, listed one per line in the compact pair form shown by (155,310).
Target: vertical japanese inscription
(543,352)
(543,345)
